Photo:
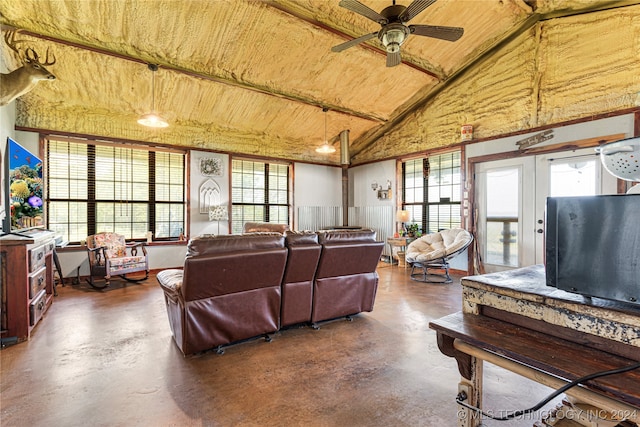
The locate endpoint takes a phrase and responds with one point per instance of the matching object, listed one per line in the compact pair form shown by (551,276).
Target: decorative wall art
(209,195)
(211,166)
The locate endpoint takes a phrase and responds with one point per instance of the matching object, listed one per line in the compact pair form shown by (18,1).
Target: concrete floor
(107,358)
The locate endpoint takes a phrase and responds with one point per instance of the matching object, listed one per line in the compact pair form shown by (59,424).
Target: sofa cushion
(299,238)
(258,227)
(297,284)
(206,245)
(346,236)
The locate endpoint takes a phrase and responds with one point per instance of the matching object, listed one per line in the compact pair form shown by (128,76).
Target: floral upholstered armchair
(108,257)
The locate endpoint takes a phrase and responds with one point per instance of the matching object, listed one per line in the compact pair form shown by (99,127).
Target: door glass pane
(575,178)
(503,202)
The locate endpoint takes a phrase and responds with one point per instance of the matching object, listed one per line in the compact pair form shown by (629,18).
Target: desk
(513,320)
(398,242)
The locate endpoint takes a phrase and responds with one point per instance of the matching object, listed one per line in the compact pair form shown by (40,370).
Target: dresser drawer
(37,282)
(37,258)
(37,307)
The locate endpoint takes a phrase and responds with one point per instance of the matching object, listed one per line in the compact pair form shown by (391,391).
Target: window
(99,187)
(431,191)
(259,193)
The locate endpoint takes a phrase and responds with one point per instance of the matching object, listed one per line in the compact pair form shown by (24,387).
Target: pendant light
(151,119)
(326,148)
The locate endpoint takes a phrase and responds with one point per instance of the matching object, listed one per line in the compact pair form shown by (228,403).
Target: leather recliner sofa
(228,290)
(346,281)
(236,287)
(297,285)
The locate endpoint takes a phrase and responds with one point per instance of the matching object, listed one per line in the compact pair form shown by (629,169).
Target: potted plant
(413,230)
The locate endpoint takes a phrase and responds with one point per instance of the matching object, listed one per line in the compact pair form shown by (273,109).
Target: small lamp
(403,216)
(218,213)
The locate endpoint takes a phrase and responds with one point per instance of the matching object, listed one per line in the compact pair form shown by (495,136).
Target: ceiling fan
(394,32)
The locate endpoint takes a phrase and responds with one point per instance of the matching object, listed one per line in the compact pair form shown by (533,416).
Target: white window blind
(100,187)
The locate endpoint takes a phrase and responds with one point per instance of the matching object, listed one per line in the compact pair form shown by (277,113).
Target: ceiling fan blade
(444,33)
(393,59)
(346,45)
(414,9)
(357,7)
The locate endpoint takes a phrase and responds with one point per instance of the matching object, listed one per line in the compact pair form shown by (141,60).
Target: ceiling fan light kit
(394,32)
(392,37)
(152,119)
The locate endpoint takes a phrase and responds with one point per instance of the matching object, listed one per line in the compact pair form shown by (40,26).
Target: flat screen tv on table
(593,246)
(23,191)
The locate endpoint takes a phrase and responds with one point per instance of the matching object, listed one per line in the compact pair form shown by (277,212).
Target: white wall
(199,222)
(30,141)
(316,185)
(361,178)
(317,195)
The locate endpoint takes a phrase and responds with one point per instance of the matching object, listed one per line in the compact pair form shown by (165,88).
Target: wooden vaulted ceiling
(248,77)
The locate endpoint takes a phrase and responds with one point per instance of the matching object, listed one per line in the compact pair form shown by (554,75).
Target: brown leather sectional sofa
(237,287)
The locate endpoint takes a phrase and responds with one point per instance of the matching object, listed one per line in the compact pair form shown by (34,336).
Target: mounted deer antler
(22,80)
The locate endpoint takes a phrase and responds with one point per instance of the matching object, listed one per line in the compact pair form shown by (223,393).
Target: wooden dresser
(513,320)
(26,282)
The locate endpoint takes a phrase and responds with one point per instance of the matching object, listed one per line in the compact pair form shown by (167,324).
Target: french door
(511,198)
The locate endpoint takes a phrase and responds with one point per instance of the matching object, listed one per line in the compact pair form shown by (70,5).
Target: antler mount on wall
(23,79)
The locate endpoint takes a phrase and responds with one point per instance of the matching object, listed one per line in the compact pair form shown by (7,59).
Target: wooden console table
(398,242)
(513,320)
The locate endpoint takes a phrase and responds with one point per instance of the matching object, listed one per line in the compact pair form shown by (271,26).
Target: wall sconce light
(382,193)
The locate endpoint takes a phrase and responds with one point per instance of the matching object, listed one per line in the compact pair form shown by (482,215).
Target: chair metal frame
(437,264)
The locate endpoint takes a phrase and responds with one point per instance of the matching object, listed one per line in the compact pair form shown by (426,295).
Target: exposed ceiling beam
(214,78)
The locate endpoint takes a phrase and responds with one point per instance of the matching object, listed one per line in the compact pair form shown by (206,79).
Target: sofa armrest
(171,282)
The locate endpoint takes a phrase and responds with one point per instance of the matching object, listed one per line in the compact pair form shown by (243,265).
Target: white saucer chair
(433,251)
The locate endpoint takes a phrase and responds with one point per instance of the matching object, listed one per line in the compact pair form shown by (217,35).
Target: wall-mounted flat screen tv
(24,189)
